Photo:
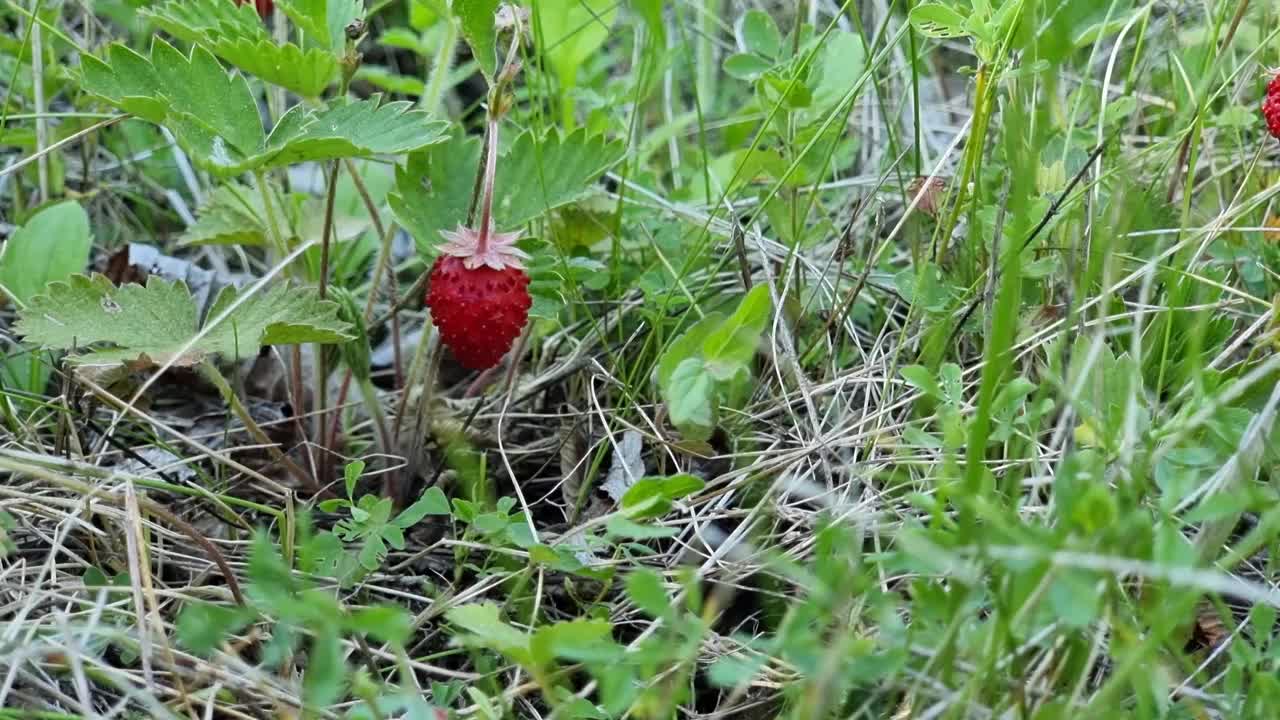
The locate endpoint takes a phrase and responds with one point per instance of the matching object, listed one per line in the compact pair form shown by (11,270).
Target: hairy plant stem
(486,190)
(441,65)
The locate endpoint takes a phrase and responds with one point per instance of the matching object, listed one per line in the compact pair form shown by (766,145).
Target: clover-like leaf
(215,117)
(156,323)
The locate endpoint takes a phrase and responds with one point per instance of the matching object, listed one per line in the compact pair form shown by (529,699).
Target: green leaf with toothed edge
(215,118)
(236,34)
(324,22)
(536,174)
(155,323)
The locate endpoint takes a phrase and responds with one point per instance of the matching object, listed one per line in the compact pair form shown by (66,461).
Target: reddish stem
(486,193)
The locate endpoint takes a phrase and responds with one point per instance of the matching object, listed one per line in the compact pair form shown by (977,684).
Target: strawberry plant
(586,359)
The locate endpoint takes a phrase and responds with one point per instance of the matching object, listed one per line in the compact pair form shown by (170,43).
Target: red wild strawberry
(1271,106)
(479,298)
(479,293)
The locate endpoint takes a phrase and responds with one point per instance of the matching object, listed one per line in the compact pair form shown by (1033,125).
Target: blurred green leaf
(324,678)
(432,502)
(202,626)
(689,403)
(937,20)
(572,30)
(386,623)
(476,20)
(760,34)
(52,245)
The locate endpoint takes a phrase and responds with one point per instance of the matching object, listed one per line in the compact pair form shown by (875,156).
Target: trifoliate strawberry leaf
(534,176)
(215,117)
(212,112)
(154,324)
(236,34)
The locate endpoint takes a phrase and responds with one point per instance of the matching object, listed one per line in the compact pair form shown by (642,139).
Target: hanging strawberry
(479,291)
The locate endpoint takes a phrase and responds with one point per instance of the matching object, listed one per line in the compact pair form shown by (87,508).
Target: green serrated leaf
(231,215)
(306,72)
(194,21)
(158,321)
(323,21)
(534,176)
(541,174)
(476,20)
(429,197)
(353,129)
(236,34)
(215,118)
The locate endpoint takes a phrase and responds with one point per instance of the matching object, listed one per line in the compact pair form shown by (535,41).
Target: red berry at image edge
(479,296)
(264,7)
(1271,107)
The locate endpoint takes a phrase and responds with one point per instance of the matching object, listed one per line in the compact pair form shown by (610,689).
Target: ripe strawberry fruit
(479,295)
(1271,107)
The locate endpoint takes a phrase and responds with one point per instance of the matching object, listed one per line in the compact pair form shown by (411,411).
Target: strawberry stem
(486,197)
